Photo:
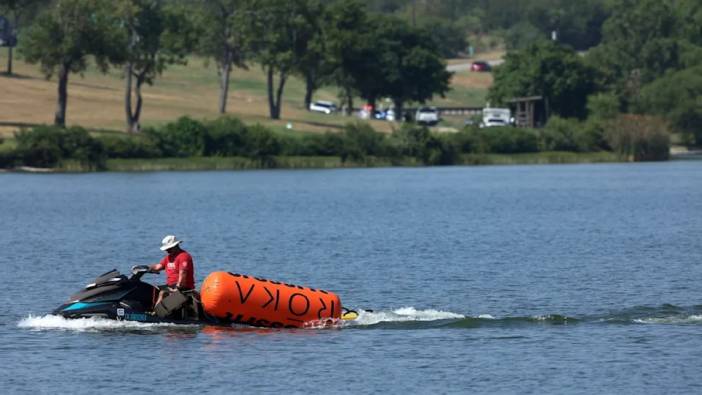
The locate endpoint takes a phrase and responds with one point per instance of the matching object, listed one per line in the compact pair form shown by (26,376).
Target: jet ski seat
(181,304)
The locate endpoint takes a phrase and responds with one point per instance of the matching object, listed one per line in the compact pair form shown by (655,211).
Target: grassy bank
(330,162)
(96,100)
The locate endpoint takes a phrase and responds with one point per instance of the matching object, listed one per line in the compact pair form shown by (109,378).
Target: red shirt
(174,264)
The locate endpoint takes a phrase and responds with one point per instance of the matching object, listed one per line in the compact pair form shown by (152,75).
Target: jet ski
(115,296)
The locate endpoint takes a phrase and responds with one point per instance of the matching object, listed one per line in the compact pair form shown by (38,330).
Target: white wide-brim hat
(169,242)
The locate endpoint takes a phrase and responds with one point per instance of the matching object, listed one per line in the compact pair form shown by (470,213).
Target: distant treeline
(637,58)
(635,138)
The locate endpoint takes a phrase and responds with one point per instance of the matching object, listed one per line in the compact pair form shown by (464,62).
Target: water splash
(93,324)
(404,314)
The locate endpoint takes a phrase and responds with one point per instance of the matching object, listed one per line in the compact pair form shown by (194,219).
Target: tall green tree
(284,35)
(411,67)
(640,42)
(225,38)
(545,69)
(65,36)
(678,97)
(349,47)
(313,65)
(158,36)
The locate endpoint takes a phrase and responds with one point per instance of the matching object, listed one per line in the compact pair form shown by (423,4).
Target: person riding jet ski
(180,270)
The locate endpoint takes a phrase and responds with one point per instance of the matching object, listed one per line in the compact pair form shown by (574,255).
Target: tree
(158,36)
(640,42)
(224,38)
(284,35)
(349,48)
(19,12)
(65,35)
(313,63)
(678,97)
(545,69)
(385,57)
(411,68)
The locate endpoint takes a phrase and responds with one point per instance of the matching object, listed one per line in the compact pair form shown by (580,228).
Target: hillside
(96,100)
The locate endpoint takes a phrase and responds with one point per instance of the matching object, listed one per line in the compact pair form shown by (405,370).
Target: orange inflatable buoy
(256,301)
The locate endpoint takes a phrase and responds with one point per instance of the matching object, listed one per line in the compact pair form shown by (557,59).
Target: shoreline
(317,162)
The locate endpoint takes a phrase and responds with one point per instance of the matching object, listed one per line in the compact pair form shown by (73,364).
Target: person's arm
(183,266)
(181,278)
(156,267)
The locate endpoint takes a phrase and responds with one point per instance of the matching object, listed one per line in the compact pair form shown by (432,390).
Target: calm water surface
(514,279)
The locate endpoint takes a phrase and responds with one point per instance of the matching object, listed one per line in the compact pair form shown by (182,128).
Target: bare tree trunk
(128,97)
(225,72)
(139,101)
(399,110)
(279,93)
(9,60)
(349,103)
(274,99)
(309,89)
(60,117)
(271,100)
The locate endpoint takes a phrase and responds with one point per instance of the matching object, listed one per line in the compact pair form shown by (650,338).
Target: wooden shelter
(530,111)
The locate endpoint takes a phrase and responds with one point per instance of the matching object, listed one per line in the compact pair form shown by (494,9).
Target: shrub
(47,146)
(410,140)
(360,140)
(570,135)
(509,140)
(7,159)
(639,137)
(185,137)
(262,144)
(440,150)
(130,147)
(226,136)
(327,144)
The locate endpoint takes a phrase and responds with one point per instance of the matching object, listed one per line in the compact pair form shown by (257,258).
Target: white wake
(93,324)
(402,315)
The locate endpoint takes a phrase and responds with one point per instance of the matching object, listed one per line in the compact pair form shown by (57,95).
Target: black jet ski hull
(114,296)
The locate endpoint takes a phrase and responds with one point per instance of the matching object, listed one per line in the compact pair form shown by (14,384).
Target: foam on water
(403,314)
(692,319)
(86,324)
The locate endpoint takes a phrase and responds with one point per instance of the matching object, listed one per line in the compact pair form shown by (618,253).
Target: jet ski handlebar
(140,270)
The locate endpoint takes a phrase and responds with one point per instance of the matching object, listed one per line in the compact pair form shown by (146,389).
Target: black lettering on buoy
(324,292)
(276,282)
(241,294)
(299,287)
(272,298)
(234,274)
(324,307)
(244,276)
(263,280)
(290,285)
(290,304)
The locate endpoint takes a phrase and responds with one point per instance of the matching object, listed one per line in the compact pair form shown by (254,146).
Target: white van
(496,117)
(326,107)
(427,116)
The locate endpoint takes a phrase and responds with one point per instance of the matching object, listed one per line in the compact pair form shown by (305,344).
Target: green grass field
(96,100)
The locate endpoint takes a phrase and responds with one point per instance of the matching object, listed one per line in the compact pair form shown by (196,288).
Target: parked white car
(496,117)
(326,107)
(427,116)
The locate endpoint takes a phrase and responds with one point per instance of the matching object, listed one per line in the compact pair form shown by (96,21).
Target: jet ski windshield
(109,278)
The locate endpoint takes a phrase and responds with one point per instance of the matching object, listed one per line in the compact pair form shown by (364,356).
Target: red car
(480,65)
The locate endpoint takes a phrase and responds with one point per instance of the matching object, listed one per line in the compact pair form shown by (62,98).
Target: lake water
(514,279)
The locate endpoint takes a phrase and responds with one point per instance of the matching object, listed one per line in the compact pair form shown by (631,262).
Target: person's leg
(162,292)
